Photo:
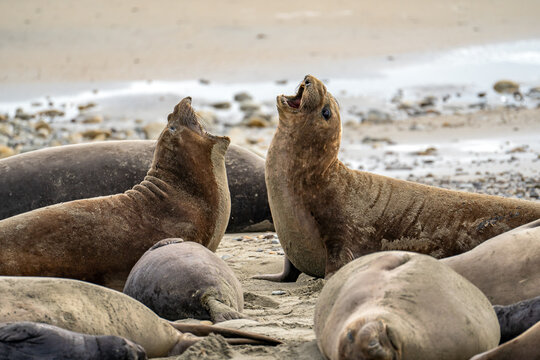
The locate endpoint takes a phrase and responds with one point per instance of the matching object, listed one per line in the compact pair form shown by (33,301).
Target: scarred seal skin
(184,194)
(180,280)
(507,267)
(524,346)
(402,306)
(65,173)
(36,341)
(327,214)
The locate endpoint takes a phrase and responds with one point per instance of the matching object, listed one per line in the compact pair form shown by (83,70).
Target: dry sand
(100,40)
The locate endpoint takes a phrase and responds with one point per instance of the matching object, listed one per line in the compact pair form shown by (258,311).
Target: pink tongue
(295,103)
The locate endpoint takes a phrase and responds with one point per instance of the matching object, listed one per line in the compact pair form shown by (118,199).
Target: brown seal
(402,306)
(180,280)
(184,195)
(95,310)
(507,267)
(523,347)
(65,173)
(327,214)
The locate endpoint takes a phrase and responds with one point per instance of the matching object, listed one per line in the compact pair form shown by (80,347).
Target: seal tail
(233,336)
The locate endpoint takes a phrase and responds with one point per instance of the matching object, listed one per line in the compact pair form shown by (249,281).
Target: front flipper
(290,273)
(221,312)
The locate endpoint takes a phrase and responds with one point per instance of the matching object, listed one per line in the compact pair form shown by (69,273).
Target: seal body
(507,267)
(403,306)
(327,214)
(179,280)
(36,341)
(524,346)
(59,174)
(517,318)
(184,194)
(85,308)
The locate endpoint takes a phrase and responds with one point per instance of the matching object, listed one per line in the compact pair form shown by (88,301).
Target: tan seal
(95,310)
(184,194)
(402,306)
(507,267)
(327,214)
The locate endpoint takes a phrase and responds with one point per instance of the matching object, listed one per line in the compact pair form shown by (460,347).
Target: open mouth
(296,100)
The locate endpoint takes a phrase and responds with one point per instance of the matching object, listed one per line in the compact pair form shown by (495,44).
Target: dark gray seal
(180,280)
(37,341)
(517,318)
(53,175)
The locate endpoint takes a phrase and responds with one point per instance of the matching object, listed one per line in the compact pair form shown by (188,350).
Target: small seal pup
(507,267)
(36,341)
(398,305)
(179,280)
(326,214)
(523,347)
(184,194)
(95,310)
(516,318)
(64,173)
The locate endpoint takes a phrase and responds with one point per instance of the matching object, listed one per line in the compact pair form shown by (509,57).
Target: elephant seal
(516,318)
(95,310)
(327,214)
(507,267)
(179,280)
(523,347)
(398,305)
(184,194)
(59,174)
(35,341)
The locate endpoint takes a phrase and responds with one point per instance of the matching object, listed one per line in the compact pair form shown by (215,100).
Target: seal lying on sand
(53,175)
(523,347)
(507,267)
(400,305)
(327,214)
(180,280)
(185,194)
(517,318)
(95,310)
(35,341)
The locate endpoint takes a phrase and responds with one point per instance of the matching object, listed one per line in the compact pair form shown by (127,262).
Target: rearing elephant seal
(180,280)
(95,310)
(397,305)
(184,194)
(327,214)
(64,173)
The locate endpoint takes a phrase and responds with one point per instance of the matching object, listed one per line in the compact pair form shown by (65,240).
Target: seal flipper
(290,273)
(221,312)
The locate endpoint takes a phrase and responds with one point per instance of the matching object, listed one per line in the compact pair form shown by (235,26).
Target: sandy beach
(415,82)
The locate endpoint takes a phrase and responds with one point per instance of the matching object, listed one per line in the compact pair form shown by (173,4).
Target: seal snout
(366,341)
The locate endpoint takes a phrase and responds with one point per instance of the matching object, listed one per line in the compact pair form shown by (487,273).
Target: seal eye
(326,113)
(172,128)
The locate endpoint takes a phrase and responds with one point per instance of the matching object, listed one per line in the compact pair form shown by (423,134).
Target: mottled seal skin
(327,214)
(95,310)
(35,341)
(523,347)
(184,194)
(402,306)
(59,174)
(180,280)
(507,267)
(516,318)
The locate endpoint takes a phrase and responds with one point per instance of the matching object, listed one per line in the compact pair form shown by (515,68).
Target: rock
(278,292)
(75,138)
(51,113)
(86,106)
(281,82)
(43,128)
(92,119)
(534,92)
(3,118)
(506,87)
(249,106)
(204,81)
(428,101)
(221,105)
(377,117)
(242,96)
(20,114)
(153,130)
(6,151)
(96,134)
(428,151)
(372,140)
(256,121)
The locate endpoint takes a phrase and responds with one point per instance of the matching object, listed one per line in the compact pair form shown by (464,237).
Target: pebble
(20,114)
(249,106)
(275,241)
(226,256)
(534,92)
(377,117)
(259,250)
(86,106)
(96,134)
(256,121)
(278,292)
(6,151)
(92,119)
(3,118)
(51,113)
(223,105)
(506,87)
(429,151)
(153,130)
(242,96)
